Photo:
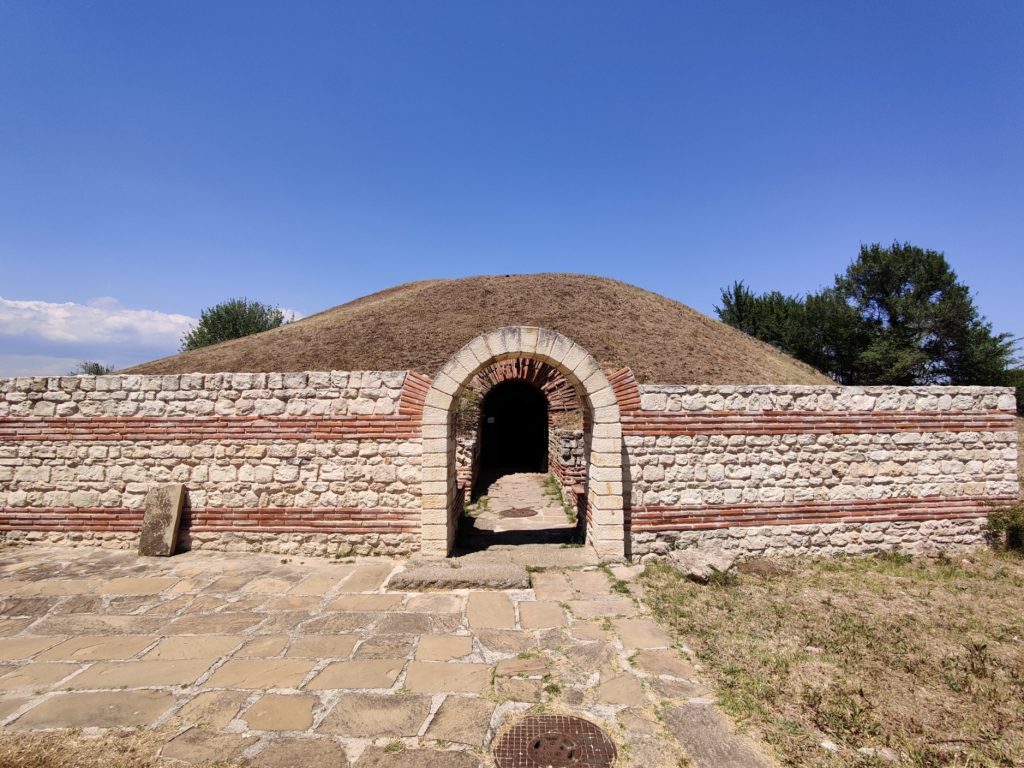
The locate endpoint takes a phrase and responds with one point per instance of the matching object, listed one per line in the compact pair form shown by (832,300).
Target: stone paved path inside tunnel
(306,661)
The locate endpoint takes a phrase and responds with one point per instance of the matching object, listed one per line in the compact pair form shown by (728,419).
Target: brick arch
(606,524)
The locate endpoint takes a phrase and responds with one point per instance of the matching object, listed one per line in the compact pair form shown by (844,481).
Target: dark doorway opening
(513,432)
(514,428)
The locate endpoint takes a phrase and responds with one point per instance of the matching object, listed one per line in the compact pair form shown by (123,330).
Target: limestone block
(433,501)
(434,459)
(604,398)
(601,474)
(498,344)
(546,339)
(574,356)
(560,348)
(528,338)
(444,382)
(511,339)
(460,368)
(481,350)
(159,535)
(586,368)
(612,430)
(606,445)
(433,414)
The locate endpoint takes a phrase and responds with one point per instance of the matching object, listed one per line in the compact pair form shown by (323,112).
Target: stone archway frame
(606,531)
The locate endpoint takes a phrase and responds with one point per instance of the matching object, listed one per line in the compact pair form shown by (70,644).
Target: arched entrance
(605,528)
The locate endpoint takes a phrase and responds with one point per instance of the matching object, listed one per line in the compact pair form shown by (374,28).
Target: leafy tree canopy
(898,315)
(231,319)
(90,368)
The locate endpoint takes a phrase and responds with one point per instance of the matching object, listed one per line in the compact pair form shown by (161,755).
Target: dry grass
(420,325)
(924,657)
(123,748)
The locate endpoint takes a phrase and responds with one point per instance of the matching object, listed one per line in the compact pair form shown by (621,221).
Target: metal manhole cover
(518,512)
(554,741)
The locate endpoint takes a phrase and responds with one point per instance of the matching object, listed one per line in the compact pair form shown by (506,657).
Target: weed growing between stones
(553,489)
(618,585)
(477,507)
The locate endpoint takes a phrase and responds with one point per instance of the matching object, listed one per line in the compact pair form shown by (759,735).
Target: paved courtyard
(274,663)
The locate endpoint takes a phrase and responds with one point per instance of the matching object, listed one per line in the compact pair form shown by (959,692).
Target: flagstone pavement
(278,663)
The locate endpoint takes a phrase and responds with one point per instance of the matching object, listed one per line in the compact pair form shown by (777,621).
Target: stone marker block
(160,523)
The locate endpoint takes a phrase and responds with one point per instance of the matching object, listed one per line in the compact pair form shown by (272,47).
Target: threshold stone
(443,576)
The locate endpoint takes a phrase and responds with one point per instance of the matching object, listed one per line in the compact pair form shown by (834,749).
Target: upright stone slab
(160,524)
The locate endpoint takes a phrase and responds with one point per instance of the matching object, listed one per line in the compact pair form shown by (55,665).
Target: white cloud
(44,337)
(104,321)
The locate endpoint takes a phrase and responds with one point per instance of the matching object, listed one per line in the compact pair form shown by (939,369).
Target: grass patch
(923,657)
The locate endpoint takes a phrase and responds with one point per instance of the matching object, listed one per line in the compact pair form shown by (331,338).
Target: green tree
(90,368)
(232,319)
(897,315)
(821,329)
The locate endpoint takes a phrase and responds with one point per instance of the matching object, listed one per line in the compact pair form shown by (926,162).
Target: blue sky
(158,157)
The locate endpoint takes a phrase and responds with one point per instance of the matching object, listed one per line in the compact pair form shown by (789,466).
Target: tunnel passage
(513,429)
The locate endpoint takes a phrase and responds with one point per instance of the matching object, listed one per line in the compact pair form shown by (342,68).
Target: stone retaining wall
(272,462)
(786,470)
(331,463)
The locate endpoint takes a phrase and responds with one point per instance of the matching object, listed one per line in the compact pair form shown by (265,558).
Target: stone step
(444,575)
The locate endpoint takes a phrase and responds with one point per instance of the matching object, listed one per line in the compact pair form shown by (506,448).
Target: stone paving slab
(371,673)
(534,614)
(431,677)
(201,745)
(315,660)
(300,753)
(378,757)
(213,709)
(641,633)
(139,674)
(11,705)
(463,720)
(194,647)
(131,585)
(260,673)
(263,646)
(277,712)
(25,647)
(489,610)
(709,738)
(443,647)
(105,709)
(371,715)
(35,676)
(321,646)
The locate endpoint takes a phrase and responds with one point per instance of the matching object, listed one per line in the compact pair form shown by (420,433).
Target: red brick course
(644,423)
(211,519)
(696,517)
